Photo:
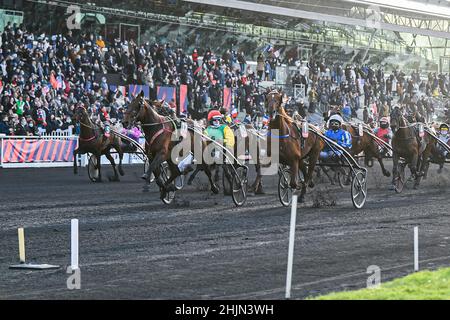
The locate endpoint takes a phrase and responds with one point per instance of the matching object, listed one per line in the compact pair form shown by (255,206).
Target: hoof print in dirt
(323,199)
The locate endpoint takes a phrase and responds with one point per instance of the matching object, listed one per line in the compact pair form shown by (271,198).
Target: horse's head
(411,117)
(397,118)
(134,112)
(159,107)
(80,114)
(274,103)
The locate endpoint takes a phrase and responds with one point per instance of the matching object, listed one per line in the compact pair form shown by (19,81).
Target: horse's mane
(282,112)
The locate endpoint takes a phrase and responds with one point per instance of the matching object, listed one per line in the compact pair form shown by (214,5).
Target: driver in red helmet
(384,132)
(219,131)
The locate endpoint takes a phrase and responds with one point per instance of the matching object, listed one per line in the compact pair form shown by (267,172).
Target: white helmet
(337,118)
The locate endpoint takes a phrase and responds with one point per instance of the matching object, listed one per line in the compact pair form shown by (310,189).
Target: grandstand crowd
(43,78)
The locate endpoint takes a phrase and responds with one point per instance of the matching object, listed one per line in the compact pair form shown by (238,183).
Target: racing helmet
(214,114)
(336,118)
(444,128)
(384,123)
(214,118)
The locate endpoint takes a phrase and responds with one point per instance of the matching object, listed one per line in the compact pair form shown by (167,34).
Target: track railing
(32,151)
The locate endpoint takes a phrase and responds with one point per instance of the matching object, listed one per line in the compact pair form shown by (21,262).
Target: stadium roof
(415,17)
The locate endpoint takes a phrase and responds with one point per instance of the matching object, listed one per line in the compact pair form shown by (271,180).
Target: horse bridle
(412,136)
(85,125)
(133,114)
(275,113)
(143,104)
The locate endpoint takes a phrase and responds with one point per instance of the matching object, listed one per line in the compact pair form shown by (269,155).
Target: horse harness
(163,121)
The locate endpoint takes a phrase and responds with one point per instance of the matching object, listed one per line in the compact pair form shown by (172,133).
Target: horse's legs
(193,175)
(214,188)
(99,166)
(414,163)
(75,166)
(120,152)
(423,165)
(154,165)
(257,186)
(156,173)
(395,160)
(417,177)
(174,173)
(313,159)
(294,175)
(304,170)
(147,174)
(113,164)
(325,170)
(216,174)
(386,173)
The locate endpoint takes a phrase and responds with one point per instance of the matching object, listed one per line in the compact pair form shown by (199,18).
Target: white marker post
(21,236)
(291,247)
(416,249)
(23,264)
(74,244)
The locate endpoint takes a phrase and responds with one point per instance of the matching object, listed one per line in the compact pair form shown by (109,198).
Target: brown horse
(437,157)
(293,148)
(407,144)
(92,140)
(367,144)
(158,132)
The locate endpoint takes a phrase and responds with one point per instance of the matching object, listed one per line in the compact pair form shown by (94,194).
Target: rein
(269,134)
(162,121)
(89,127)
(411,136)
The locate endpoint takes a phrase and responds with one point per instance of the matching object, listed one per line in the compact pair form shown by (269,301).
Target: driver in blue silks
(338,135)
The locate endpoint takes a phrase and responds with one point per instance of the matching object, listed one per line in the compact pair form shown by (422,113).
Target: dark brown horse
(407,144)
(437,157)
(293,150)
(92,140)
(159,132)
(366,143)
(251,147)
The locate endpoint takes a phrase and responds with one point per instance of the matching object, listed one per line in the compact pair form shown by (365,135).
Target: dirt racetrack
(132,246)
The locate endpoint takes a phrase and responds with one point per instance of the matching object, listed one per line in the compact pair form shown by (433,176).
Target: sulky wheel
(93,171)
(400,180)
(359,189)
(240,186)
(284,188)
(165,176)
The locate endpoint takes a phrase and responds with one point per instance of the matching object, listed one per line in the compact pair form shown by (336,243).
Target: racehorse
(437,156)
(92,140)
(293,148)
(367,144)
(158,132)
(406,144)
(251,139)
